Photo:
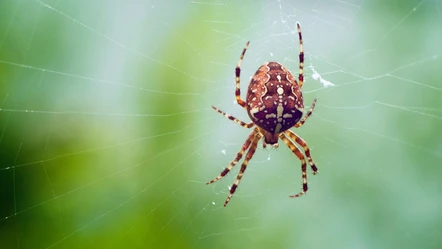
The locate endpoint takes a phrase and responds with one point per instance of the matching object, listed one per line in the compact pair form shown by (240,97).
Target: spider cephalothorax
(274,103)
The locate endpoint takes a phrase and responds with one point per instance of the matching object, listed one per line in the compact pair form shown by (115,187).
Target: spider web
(107,136)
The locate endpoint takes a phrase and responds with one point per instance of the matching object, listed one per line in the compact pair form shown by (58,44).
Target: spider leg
(310,111)
(264,144)
(304,145)
(240,101)
(249,156)
(238,157)
(243,124)
(301,157)
(301,57)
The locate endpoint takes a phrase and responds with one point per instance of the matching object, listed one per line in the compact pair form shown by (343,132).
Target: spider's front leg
(301,157)
(304,145)
(264,144)
(249,156)
(238,157)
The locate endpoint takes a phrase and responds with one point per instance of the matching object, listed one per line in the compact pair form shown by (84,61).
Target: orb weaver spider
(275,104)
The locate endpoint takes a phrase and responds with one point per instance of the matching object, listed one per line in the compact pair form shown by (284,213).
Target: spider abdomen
(274,98)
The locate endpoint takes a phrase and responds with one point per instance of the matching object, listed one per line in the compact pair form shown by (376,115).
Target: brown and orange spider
(274,104)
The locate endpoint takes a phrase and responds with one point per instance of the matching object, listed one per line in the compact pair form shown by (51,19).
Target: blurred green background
(107,136)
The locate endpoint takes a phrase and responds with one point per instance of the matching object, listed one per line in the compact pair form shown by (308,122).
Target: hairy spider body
(274,100)
(275,104)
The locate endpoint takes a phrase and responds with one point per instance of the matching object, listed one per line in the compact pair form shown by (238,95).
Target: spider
(274,103)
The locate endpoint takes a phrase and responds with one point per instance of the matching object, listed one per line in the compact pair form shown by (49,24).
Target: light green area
(107,136)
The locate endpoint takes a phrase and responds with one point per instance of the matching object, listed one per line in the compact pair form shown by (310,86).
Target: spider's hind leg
(239,100)
(301,57)
(310,111)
